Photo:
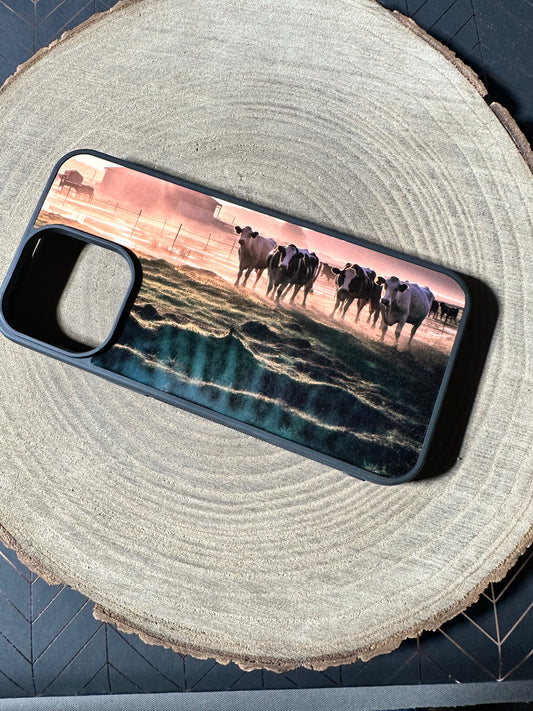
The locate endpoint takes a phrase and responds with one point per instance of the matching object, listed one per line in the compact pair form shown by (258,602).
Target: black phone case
(265,323)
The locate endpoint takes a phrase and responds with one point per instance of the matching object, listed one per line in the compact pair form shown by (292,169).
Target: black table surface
(50,644)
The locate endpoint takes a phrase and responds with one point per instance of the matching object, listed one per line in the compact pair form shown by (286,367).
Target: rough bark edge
(249,663)
(246,662)
(64,37)
(504,116)
(514,131)
(29,561)
(446,52)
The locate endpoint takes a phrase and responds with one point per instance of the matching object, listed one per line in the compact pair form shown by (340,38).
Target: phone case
(318,342)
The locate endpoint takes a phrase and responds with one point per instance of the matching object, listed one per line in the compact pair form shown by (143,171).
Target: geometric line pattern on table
(50,644)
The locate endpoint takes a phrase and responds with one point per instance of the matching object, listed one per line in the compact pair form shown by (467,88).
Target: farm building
(71,177)
(72,181)
(156,198)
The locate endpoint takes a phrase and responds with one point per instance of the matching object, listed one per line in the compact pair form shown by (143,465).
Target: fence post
(136,223)
(176,237)
(205,247)
(66,196)
(231,250)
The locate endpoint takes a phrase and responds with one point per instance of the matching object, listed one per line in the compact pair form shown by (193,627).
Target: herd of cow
(397,301)
(447,313)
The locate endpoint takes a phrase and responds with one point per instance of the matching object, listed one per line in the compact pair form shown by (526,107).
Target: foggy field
(296,373)
(218,252)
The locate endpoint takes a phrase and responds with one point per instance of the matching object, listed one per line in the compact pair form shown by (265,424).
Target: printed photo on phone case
(325,343)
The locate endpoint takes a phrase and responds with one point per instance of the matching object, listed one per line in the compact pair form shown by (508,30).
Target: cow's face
(289,255)
(350,279)
(344,277)
(391,289)
(246,234)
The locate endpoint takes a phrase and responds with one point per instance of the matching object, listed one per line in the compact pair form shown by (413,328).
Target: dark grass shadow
(463,385)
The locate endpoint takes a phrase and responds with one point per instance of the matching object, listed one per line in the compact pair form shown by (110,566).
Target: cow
(434,308)
(289,266)
(374,301)
(253,252)
(403,302)
(327,272)
(444,308)
(453,313)
(448,313)
(352,282)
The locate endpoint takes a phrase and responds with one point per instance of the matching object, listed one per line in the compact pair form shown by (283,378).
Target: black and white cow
(253,252)
(289,266)
(356,282)
(351,282)
(403,302)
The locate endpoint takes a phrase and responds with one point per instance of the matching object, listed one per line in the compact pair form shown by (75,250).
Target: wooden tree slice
(202,538)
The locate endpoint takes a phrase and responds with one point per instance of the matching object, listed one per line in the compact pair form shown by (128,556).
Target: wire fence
(168,238)
(121,221)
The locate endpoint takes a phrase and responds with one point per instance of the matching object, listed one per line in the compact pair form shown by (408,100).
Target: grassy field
(291,372)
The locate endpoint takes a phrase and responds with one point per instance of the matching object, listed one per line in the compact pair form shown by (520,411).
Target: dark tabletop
(50,644)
